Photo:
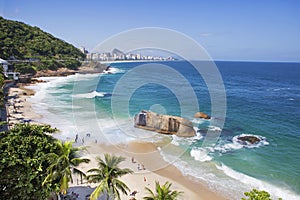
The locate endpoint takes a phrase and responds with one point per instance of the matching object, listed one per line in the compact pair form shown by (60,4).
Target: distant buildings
(4,65)
(116,54)
(7,72)
(83,50)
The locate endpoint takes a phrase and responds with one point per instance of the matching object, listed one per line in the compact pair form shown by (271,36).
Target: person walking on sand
(132,160)
(76,138)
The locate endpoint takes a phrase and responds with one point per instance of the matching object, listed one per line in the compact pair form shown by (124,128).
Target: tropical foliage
(257,195)
(23,166)
(1,89)
(107,175)
(162,192)
(63,163)
(22,41)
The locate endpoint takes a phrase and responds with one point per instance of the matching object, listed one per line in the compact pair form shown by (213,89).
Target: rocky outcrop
(249,139)
(201,115)
(165,124)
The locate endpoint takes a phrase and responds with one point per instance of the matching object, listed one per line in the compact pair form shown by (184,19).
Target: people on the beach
(133,193)
(132,160)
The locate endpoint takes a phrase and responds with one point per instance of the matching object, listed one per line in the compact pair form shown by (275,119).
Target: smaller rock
(201,115)
(250,139)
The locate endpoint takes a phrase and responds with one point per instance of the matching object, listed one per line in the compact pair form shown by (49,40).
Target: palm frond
(77,161)
(102,188)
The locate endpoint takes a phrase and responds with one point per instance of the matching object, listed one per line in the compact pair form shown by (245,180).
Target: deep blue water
(263,99)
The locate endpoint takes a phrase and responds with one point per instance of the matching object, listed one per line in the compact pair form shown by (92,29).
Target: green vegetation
(107,174)
(34,164)
(23,166)
(162,192)
(62,163)
(257,195)
(25,42)
(1,89)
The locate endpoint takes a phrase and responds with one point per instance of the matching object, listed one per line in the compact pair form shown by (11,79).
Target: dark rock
(249,139)
(201,115)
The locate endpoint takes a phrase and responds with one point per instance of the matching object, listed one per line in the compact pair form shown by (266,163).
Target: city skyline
(229,30)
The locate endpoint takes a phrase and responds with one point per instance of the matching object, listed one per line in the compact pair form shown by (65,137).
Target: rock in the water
(250,139)
(165,124)
(201,115)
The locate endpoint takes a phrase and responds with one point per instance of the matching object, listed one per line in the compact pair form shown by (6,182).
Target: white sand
(19,109)
(156,169)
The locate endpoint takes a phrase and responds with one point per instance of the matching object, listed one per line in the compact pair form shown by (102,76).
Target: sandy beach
(19,110)
(148,165)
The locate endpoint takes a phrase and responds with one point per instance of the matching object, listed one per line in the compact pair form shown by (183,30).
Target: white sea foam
(80,77)
(114,70)
(275,191)
(236,144)
(278,89)
(214,128)
(200,154)
(199,121)
(246,144)
(221,178)
(90,95)
(177,141)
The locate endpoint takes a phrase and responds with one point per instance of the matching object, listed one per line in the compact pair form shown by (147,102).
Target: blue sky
(266,30)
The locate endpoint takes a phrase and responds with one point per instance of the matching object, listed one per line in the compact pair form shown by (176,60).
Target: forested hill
(26,42)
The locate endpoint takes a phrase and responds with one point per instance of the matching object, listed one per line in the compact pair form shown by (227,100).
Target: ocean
(262,99)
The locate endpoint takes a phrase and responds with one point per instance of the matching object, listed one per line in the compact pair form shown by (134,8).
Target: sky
(264,30)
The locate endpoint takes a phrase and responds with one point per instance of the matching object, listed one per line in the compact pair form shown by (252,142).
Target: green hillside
(25,42)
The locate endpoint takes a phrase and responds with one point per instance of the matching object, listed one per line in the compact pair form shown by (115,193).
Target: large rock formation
(165,124)
(201,115)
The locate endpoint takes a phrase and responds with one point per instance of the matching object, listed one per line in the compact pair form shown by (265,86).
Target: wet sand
(148,165)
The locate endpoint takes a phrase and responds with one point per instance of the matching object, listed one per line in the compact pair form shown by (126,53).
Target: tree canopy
(23,166)
(62,163)
(26,42)
(257,195)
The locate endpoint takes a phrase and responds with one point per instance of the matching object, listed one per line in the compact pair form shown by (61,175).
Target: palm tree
(163,192)
(107,174)
(62,163)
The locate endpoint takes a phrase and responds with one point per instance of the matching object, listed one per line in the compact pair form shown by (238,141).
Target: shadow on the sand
(79,193)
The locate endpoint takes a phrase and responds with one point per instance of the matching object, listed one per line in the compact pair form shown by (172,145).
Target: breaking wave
(200,154)
(90,95)
(238,144)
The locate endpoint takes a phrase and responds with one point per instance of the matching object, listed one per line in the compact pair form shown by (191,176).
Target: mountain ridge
(24,42)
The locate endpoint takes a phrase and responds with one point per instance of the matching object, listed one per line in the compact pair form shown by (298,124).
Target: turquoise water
(263,99)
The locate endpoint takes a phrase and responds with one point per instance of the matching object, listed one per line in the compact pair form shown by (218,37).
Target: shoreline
(18,109)
(155,169)
(191,188)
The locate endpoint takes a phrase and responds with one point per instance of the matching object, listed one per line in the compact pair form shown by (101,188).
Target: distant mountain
(117,52)
(21,41)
